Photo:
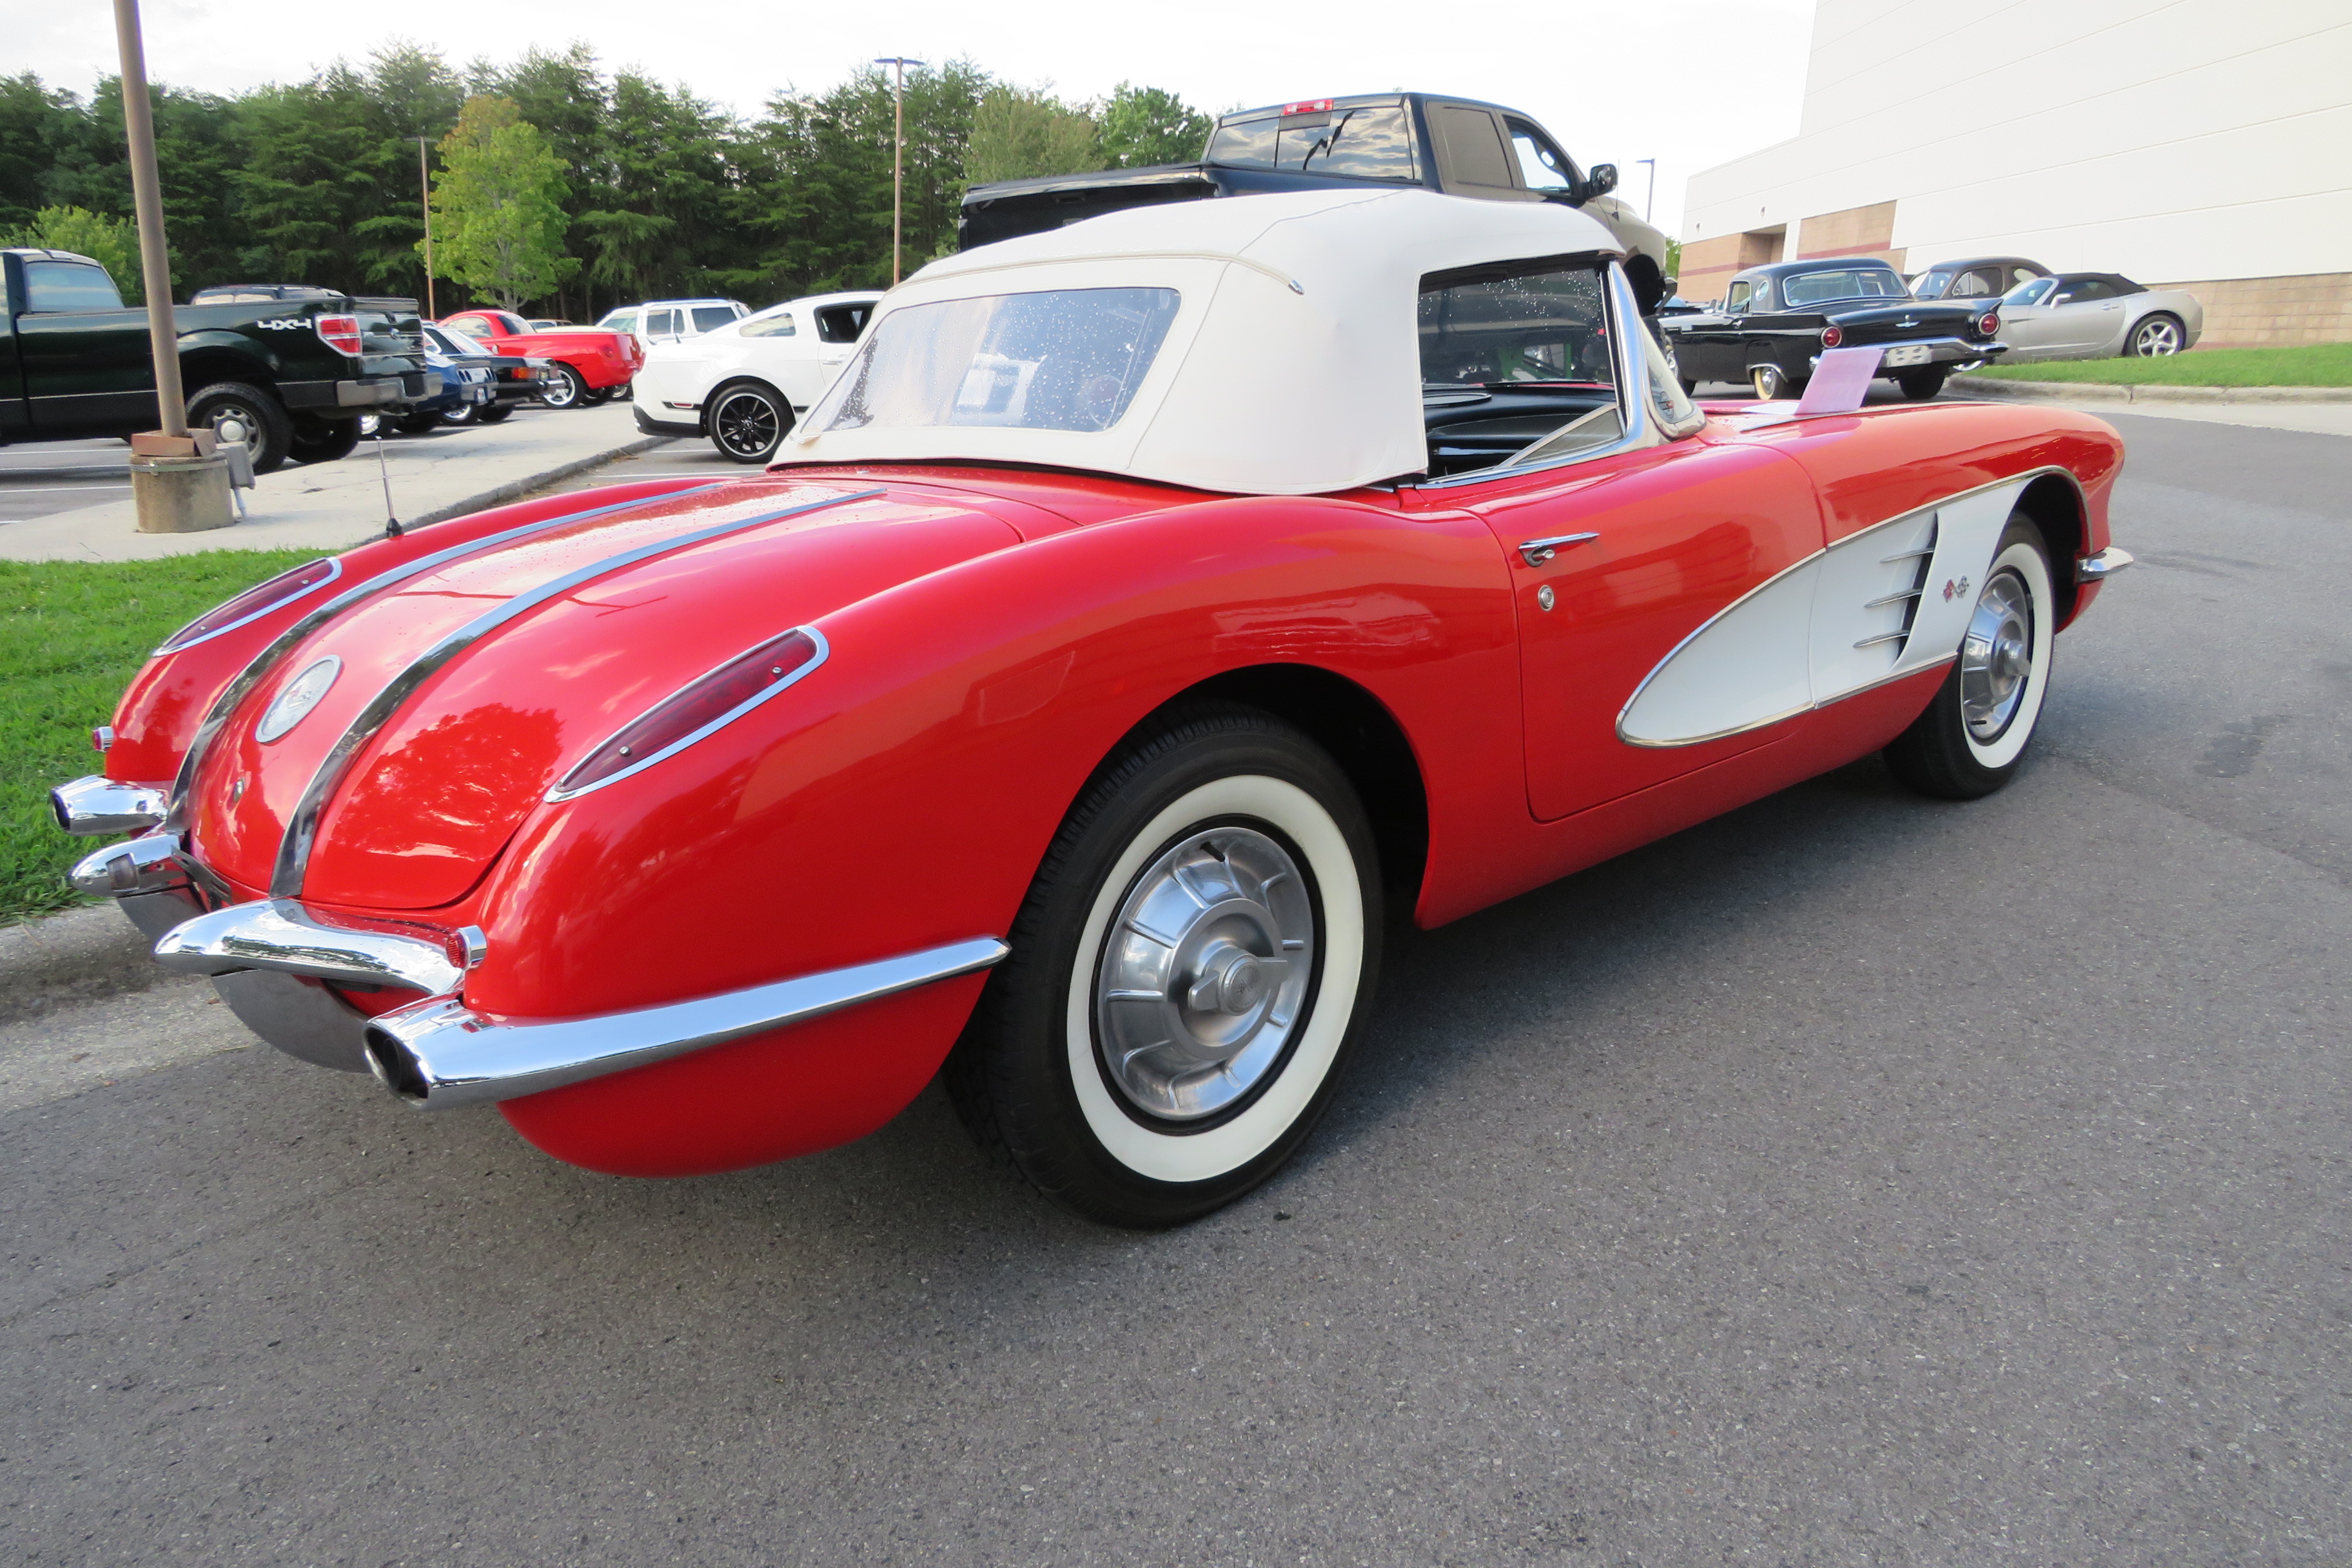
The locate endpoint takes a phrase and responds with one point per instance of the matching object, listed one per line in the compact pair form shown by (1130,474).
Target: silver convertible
(2096,315)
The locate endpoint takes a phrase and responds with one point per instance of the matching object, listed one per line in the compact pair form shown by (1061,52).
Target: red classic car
(594,364)
(1146,608)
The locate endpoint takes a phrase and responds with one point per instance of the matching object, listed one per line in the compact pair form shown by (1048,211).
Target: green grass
(2314,364)
(72,633)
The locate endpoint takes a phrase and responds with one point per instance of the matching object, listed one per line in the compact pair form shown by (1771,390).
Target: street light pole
(897,154)
(1648,201)
(147,201)
(425,189)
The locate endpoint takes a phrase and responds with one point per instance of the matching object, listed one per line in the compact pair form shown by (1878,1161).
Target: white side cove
(1877,605)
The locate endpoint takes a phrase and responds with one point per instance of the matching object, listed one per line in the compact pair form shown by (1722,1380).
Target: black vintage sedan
(1774,322)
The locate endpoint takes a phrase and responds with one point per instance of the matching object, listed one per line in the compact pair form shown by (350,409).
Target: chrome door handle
(1539,551)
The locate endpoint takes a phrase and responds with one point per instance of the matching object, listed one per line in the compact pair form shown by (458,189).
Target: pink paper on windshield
(1841,379)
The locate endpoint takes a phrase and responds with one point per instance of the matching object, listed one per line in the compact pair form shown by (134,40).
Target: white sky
(1690,84)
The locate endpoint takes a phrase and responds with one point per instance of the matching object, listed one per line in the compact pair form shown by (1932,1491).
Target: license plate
(1907,354)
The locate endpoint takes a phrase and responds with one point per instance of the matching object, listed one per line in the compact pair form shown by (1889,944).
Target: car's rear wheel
(233,411)
(418,422)
(1973,736)
(595,396)
(748,421)
(2157,336)
(1189,973)
(1919,386)
(318,440)
(461,414)
(1772,384)
(568,390)
(491,412)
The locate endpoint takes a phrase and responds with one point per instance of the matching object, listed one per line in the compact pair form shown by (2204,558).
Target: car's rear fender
(902,797)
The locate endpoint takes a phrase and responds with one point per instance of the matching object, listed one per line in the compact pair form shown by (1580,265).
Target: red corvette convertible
(1150,607)
(593,364)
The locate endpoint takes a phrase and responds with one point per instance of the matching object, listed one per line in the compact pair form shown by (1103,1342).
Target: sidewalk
(333,506)
(2319,416)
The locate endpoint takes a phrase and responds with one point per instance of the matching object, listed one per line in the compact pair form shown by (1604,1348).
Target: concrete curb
(2110,391)
(80,956)
(515,489)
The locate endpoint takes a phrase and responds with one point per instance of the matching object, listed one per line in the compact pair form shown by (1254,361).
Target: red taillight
(1831,337)
(340,333)
(1311,106)
(252,603)
(1989,323)
(707,704)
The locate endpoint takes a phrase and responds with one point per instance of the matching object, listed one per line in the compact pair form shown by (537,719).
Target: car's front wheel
(2158,336)
(1972,738)
(318,440)
(748,421)
(1189,973)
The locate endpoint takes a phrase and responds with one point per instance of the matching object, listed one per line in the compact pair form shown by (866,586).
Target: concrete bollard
(180,495)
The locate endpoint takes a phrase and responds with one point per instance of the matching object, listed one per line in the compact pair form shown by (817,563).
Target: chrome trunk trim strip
(94,805)
(302,828)
(438,1054)
(280,934)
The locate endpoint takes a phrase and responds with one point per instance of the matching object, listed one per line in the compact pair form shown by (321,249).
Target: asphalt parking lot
(1853,1180)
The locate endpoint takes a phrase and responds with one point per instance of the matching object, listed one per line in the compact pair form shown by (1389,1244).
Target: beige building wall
(2193,143)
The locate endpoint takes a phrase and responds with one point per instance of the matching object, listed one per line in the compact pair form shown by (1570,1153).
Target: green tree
(815,205)
(1017,132)
(37,125)
(1145,125)
(499,205)
(664,220)
(113,243)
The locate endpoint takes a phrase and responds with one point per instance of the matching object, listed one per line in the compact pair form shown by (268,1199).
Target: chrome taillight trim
(94,804)
(280,935)
(269,659)
(823,651)
(173,645)
(302,826)
(440,1054)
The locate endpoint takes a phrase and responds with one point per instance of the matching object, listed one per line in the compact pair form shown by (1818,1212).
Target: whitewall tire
(1975,731)
(1189,973)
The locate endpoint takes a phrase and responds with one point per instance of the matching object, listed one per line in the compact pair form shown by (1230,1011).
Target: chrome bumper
(281,936)
(96,806)
(440,1053)
(1940,352)
(2098,568)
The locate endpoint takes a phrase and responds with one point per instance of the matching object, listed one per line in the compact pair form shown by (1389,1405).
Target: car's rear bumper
(653,427)
(1941,352)
(365,391)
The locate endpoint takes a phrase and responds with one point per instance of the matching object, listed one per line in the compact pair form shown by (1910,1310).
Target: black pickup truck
(1775,321)
(289,377)
(1453,144)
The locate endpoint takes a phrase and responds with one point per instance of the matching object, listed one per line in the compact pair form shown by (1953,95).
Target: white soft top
(1291,365)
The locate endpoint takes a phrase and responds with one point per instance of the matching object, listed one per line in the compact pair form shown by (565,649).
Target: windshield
(2028,293)
(1522,326)
(1932,284)
(1063,359)
(1842,283)
(451,341)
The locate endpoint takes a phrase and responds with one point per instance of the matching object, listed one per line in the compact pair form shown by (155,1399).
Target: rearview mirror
(1599,183)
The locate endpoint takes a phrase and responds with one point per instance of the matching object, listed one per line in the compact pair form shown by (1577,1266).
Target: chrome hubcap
(1997,657)
(233,424)
(1204,976)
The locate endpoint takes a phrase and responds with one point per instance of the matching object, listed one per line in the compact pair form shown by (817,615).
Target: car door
(2027,325)
(2086,316)
(86,361)
(1626,530)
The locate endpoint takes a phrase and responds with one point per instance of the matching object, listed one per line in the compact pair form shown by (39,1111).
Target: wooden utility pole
(424,188)
(897,156)
(147,201)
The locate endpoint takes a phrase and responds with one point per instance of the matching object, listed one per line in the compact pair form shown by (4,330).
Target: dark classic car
(1775,321)
(1976,277)
(284,368)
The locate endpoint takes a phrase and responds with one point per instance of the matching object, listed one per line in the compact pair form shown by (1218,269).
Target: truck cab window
(69,286)
(1542,166)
